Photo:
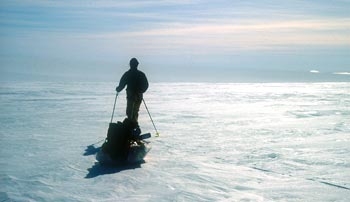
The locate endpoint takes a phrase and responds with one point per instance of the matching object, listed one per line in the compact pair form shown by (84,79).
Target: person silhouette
(137,84)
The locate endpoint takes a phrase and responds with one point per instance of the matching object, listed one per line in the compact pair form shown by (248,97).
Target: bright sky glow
(188,39)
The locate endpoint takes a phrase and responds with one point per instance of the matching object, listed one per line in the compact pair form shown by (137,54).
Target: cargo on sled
(124,144)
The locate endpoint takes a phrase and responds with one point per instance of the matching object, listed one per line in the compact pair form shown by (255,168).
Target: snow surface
(218,142)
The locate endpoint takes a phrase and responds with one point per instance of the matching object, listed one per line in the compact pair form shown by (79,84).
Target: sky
(174,40)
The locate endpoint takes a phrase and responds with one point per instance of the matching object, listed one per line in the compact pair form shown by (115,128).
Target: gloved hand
(118,89)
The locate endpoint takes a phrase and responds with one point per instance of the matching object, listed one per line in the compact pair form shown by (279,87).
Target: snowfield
(218,142)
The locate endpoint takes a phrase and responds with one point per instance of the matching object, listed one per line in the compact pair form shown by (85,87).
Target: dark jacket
(135,80)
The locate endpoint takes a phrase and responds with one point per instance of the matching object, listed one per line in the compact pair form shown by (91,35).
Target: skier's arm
(144,83)
(122,83)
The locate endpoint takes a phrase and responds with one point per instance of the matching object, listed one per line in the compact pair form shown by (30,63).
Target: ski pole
(157,134)
(115,100)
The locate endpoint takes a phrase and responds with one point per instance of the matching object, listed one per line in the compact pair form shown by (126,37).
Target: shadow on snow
(91,150)
(99,169)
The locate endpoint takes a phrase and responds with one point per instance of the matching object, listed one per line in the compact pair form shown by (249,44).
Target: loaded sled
(124,144)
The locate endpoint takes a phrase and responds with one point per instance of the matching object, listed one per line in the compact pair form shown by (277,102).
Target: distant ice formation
(342,73)
(314,71)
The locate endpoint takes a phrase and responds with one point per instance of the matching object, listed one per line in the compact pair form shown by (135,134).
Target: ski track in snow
(218,142)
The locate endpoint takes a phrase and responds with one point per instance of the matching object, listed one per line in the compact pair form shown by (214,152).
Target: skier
(137,84)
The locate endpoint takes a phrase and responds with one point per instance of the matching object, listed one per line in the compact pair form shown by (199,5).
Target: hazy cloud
(252,35)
